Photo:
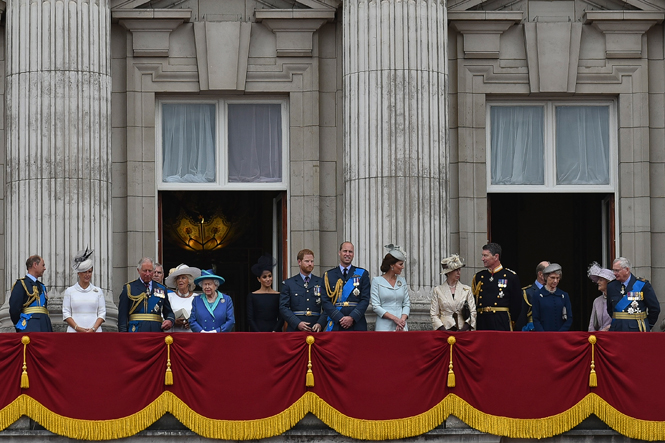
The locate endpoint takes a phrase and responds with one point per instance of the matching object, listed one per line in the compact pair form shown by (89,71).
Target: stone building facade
(385,120)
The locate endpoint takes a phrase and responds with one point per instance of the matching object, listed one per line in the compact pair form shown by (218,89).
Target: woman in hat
(453,306)
(212,311)
(263,304)
(550,305)
(600,319)
(83,305)
(390,294)
(181,279)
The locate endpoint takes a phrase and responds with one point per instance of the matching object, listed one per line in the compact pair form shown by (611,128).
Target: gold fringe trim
(345,425)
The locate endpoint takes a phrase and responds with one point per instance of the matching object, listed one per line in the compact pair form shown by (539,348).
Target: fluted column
(395,136)
(58,106)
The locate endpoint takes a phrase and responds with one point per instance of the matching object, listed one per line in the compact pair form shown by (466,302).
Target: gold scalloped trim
(348,426)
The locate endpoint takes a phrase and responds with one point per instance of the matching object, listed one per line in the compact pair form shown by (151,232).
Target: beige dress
(444,305)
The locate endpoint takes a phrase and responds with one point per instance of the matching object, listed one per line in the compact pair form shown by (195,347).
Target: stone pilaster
(395,138)
(58,175)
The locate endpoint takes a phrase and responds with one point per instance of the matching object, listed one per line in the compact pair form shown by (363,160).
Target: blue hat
(209,275)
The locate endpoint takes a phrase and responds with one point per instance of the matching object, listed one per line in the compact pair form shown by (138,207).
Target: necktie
(306,280)
(346,273)
(147,287)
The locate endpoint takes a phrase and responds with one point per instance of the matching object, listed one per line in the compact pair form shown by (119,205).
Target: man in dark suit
(630,300)
(347,293)
(143,305)
(28,300)
(525,321)
(300,299)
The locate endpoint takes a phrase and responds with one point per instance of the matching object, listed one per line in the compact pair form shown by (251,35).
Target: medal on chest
(502,283)
(356,283)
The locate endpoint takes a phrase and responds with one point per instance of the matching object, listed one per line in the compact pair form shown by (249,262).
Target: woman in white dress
(453,306)
(181,278)
(83,305)
(390,293)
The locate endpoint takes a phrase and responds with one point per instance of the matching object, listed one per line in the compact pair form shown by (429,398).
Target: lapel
(299,280)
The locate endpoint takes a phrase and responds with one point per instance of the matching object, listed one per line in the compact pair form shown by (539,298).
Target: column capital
(151,28)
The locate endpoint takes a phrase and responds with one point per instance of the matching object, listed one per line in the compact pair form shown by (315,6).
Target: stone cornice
(482,30)
(151,28)
(294,28)
(623,30)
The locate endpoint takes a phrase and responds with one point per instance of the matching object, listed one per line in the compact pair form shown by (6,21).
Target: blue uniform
(525,321)
(222,320)
(142,312)
(634,304)
(354,305)
(551,310)
(299,303)
(27,306)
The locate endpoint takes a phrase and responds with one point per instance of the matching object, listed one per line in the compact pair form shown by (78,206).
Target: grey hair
(144,260)
(623,262)
(214,280)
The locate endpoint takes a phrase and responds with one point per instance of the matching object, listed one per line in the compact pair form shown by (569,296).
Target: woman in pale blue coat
(390,293)
(212,311)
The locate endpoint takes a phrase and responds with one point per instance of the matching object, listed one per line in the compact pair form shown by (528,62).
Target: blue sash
(153,308)
(347,290)
(24,318)
(624,302)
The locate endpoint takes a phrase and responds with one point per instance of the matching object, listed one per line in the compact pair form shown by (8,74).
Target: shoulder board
(526,287)
(510,270)
(130,282)
(643,279)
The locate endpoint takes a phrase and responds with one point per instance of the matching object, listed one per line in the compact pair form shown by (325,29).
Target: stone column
(395,138)
(58,176)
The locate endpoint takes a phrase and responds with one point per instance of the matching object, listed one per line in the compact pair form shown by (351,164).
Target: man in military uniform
(143,305)
(347,293)
(525,322)
(28,300)
(498,292)
(300,299)
(630,300)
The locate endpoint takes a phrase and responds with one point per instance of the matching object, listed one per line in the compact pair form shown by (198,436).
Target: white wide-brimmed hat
(595,271)
(451,263)
(82,260)
(181,269)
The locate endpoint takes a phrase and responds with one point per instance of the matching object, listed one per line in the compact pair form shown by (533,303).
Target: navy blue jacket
(362,299)
(156,305)
(295,301)
(548,310)
(18,297)
(649,304)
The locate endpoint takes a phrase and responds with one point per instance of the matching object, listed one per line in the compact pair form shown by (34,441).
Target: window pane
(188,141)
(517,145)
(582,145)
(255,143)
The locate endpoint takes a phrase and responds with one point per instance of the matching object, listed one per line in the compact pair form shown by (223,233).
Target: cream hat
(83,260)
(451,263)
(181,269)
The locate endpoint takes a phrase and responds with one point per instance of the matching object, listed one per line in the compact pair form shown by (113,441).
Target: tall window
(222,144)
(551,146)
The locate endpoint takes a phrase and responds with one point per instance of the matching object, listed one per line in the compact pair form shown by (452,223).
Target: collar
(537,283)
(303,276)
(495,270)
(342,268)
(625,283)
(31,277)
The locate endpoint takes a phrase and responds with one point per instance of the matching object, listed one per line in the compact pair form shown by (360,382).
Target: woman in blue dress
(551,306)
(212,311)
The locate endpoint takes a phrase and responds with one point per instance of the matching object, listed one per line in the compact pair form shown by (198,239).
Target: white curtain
(517,145)
(188,139)
(255,143)
(582,145)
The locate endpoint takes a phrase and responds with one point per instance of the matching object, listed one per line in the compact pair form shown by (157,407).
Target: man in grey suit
(347,293)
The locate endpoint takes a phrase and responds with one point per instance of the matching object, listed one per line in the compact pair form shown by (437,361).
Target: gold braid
(333,294)
(136,299)
(32,297)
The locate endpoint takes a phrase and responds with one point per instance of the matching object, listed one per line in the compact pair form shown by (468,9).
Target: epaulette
(526,287)
(511,271)
(643,279)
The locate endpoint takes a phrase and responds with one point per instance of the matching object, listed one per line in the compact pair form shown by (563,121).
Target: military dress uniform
(498,298)
(631,304)
(300,301)
(350,299)
(27,306)
(143,311)
(526,312)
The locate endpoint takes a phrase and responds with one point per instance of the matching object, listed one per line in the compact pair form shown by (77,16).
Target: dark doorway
(570,229)
(222,230)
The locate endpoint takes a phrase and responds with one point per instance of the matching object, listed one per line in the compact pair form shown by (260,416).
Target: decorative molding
(490,74)
(294,28)
(222,67)
(151,28)
(284,73)
(482,30)
(180,73)
(623,30)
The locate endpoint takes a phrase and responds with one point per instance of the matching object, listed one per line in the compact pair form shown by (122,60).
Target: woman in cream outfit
(390,293)
(83,306)
(453,306)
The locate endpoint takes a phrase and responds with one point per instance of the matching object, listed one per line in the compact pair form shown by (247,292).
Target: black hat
(266,263)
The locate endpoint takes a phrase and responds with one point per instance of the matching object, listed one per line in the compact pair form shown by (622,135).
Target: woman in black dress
(263,304)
